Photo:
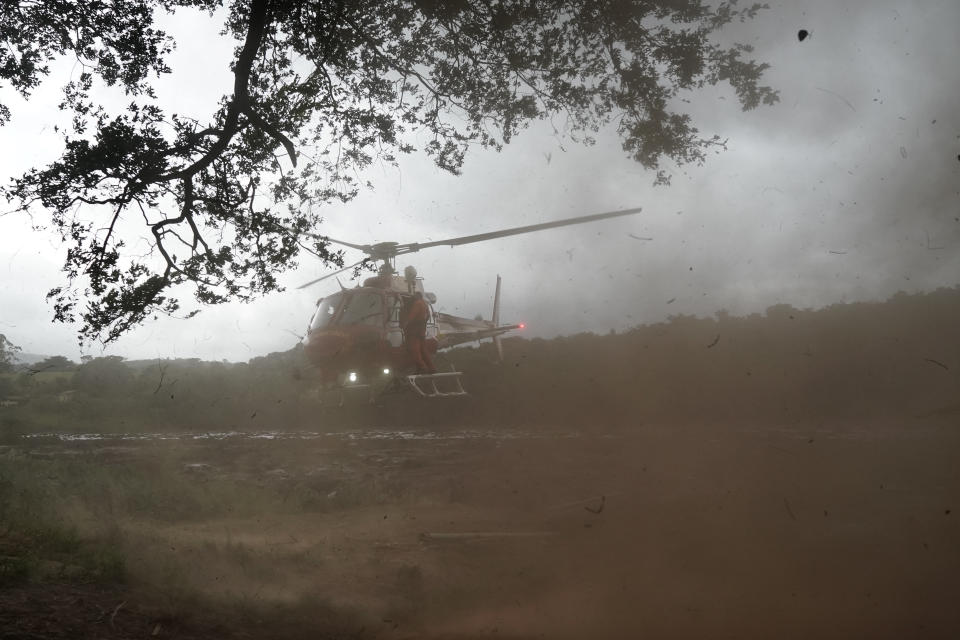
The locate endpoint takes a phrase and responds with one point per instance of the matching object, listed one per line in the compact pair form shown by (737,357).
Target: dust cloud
(773,470)
(787,474)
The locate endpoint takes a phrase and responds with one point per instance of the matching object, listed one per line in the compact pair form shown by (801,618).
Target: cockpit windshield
(328,307)
(363,307)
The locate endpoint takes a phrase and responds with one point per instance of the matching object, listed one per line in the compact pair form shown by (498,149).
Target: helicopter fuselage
(356,334)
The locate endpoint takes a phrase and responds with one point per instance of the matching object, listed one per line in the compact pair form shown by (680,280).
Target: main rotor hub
(383,250)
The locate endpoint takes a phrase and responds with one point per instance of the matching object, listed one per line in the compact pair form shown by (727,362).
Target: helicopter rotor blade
(296,234)
(361,247)
(480,237)
(330,275)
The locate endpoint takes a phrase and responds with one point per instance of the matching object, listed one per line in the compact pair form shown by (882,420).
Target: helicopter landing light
(386,372)
(352,376)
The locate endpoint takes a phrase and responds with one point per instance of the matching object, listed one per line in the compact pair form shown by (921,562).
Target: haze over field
(734,414)
(844,191)
(787,476)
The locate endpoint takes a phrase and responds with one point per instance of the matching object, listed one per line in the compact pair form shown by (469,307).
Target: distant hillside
(880,360)
(898,357)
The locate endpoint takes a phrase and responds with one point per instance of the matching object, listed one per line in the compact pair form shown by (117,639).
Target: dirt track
(804,530)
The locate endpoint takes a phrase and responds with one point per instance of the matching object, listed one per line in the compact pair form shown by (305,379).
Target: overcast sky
(847,190)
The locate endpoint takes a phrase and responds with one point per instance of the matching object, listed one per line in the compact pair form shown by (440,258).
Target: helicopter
(355,336)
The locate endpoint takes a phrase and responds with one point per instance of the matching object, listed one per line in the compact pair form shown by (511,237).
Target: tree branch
(275,133)
(241,92)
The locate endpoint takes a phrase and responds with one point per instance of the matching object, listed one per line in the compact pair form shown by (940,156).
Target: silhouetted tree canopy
(56,363)
(321,89)
(8,354)
(103,376)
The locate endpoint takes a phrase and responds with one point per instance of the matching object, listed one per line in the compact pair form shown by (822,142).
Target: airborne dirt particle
(786,505)
(598,510)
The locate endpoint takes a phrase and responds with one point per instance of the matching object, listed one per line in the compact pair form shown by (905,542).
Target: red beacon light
(522,325)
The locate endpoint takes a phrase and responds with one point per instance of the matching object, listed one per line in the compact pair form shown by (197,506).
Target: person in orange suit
(415,334)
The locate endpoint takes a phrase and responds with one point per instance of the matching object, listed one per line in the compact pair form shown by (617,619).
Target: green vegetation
(8,354)
(112,395)
(895,358)
(38,539)
(898,357)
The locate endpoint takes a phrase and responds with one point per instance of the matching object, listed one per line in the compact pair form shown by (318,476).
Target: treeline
(111,394)
(896,358)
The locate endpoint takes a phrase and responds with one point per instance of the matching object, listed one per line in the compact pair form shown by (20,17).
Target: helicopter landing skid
(425,385)
(352,389)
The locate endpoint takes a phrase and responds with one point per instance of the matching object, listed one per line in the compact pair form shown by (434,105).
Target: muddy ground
(658,530)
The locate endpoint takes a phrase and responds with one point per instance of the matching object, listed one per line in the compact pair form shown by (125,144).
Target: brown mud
(693,530)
